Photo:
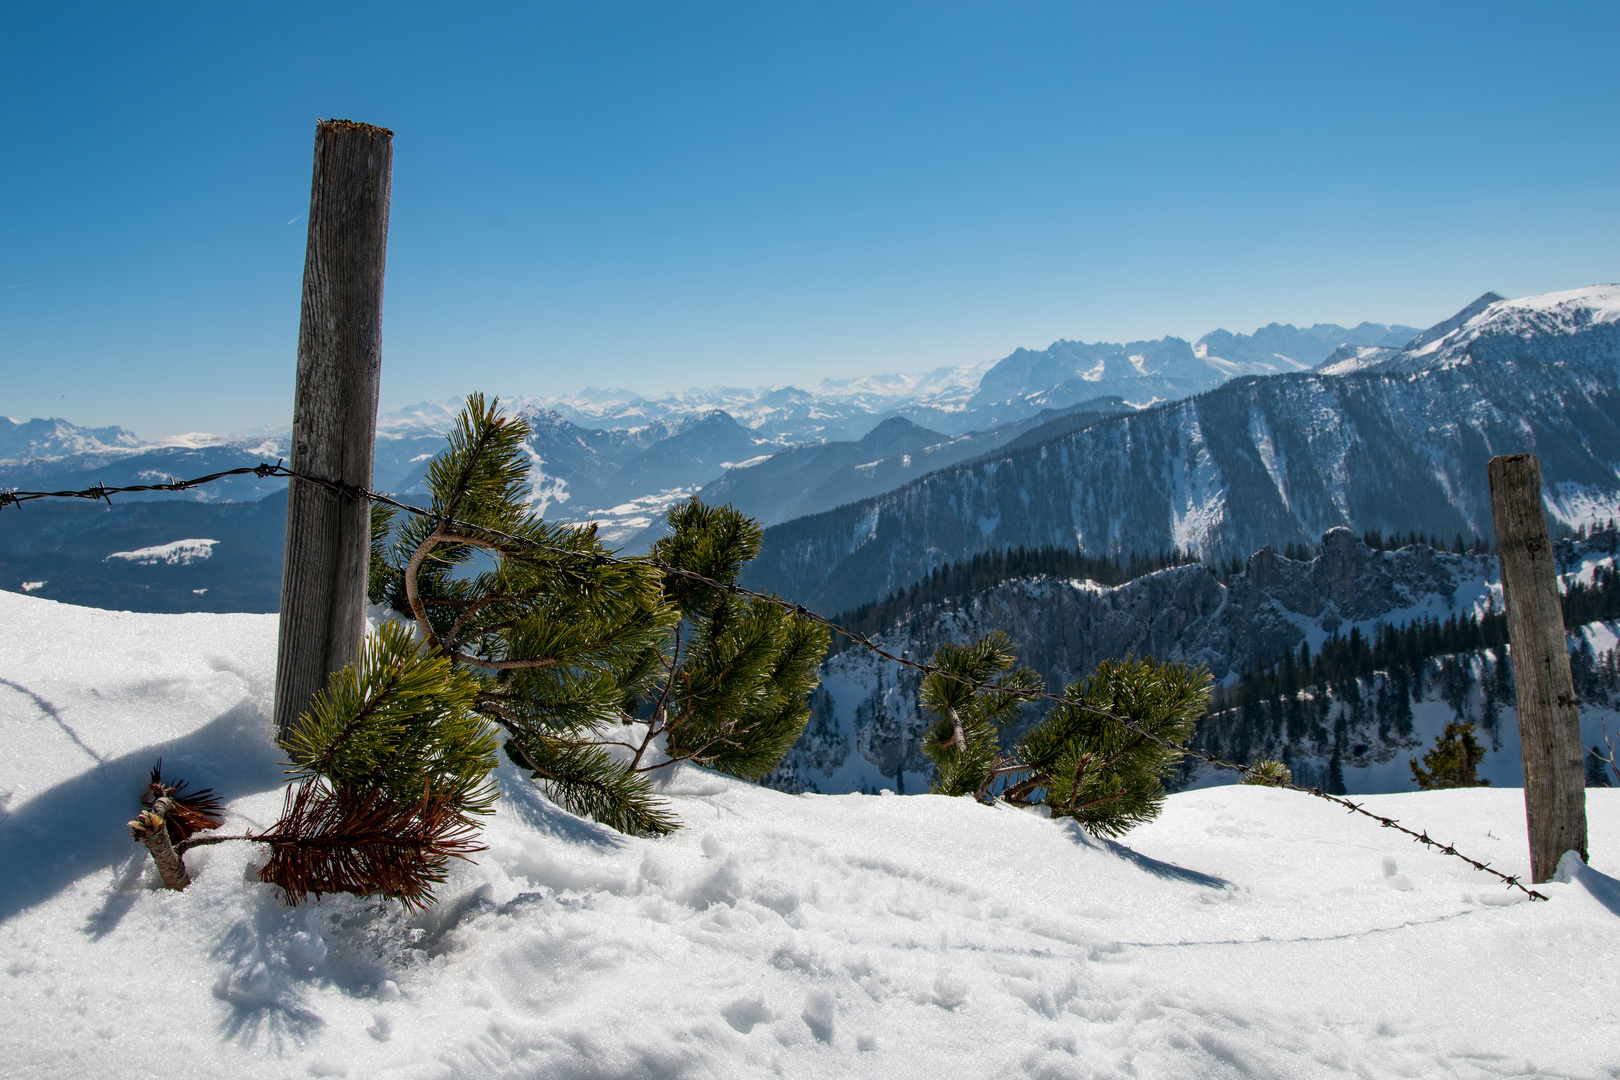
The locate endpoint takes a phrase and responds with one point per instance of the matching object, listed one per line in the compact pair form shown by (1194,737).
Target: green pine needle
(587,780)
(964,740)
(558,643)
(1099,772)
(397,720)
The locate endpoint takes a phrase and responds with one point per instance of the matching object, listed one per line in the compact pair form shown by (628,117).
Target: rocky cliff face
(865,731)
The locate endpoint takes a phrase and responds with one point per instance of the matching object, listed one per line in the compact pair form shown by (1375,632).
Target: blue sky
(659,195)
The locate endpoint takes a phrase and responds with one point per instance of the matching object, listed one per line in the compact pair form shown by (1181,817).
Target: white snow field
(1248,932)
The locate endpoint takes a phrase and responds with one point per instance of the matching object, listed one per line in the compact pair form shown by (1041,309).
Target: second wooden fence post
(323,576)
(1549,720)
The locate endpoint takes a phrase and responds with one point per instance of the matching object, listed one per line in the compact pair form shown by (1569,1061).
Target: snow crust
(1247,932)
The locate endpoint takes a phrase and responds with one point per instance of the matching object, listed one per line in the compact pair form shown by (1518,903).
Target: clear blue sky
(659,195)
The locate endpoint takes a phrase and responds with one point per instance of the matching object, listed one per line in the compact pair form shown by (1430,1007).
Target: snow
(789,410)
(1200,497)
(1247,932)
(544,489)
(1570,309)
(1361,358)
(618,524)
(1576,504)
(1603,636)
(174,553)
(1601,301)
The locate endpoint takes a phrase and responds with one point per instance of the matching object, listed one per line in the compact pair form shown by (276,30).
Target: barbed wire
(101,492)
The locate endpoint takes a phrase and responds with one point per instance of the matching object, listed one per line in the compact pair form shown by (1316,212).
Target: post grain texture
(1549,720)
(323,575)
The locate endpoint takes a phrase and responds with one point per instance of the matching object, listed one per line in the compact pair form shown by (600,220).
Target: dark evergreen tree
(1597,767)
(963,742)
(390,772)
(1454,761)
(1456,686)
(1334,784)
(1095,769)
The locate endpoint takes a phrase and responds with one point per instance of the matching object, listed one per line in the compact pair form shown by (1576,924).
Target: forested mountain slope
(1261,461)
(1344,663)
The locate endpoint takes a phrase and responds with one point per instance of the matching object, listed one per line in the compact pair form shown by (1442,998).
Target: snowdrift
(1246,933)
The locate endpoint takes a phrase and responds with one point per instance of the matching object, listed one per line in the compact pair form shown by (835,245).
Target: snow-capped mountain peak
(55,437)
(1492,322)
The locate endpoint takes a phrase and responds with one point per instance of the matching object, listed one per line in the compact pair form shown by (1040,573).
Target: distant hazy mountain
(56,437)
(121,466)
(699,450)
(832,410)
(808,479)
(1258,461)
(620,459)
(581,458)
(570,466)
(1145,372)
(805,479)
(1280,347)
(1069,372)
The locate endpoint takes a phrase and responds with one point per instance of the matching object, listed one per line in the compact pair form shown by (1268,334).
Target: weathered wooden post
(323,576)
(1549,721)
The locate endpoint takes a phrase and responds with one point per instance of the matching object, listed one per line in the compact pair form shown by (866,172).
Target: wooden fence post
(323,575)
(1549,721)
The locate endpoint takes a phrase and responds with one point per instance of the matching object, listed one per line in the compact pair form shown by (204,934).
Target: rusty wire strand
(264,470)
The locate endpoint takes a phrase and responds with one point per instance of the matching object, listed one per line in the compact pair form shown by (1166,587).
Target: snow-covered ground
(1248,932)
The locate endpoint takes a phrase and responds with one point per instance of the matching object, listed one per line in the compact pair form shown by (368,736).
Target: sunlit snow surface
(1246,933)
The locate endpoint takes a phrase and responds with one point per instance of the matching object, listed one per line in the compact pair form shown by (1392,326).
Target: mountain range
(886,444)
(1398,444)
